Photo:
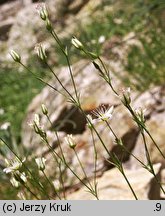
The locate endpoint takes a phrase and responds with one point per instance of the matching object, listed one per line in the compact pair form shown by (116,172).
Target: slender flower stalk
(62,159)
(150,165)
(51,184)
(41,51)
(67,165)
(95,163)
(133,192)
(72,144)
(118,164)
(142,126)
(85,175)
(33,194)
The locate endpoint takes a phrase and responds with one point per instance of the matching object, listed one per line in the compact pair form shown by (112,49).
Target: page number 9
(158,207)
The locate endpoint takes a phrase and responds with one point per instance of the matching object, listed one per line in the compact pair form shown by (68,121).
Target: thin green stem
(107,75)
(149,161)
(41,80)
(59,81)
(40,188)
(55,36)
(154,142)
(30,191)
(133,192)
(59,165)
(66,164)
(72,78)
(86,177)
(95,163)
(111,129)
(142,126)
(98,135)
(50,183)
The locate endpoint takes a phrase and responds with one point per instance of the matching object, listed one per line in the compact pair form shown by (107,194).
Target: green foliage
(145,66)
(17,90)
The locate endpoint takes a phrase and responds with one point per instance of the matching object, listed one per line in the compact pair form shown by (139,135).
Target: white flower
(40,163)
(70,141)
(103,114)
(90,121)
(101,39)
(13,165)
(5,126)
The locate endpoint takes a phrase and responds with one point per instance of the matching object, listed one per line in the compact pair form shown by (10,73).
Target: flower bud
(44,109)
(14,182)
(40,163)
(20,177)
(125,97)
(70,141)
(16,57)
(42,10)
(36,119)
(77,43)
(41,52)
(140,114)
